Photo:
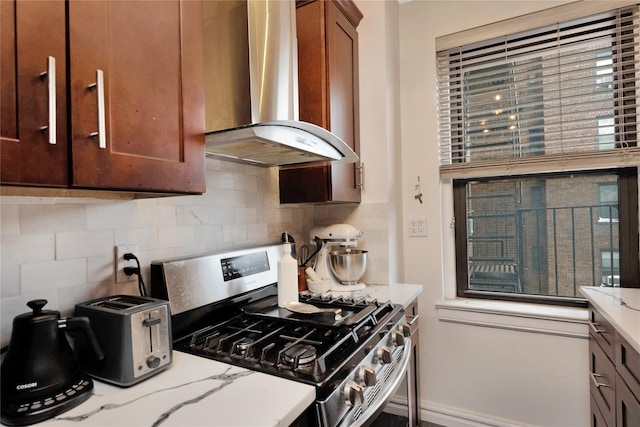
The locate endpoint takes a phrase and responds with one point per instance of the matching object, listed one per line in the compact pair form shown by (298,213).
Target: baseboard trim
(449,416)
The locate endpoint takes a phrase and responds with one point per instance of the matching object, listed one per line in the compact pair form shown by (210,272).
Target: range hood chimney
(251,88)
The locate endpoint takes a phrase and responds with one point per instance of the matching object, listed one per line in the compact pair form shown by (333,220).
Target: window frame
(628,242)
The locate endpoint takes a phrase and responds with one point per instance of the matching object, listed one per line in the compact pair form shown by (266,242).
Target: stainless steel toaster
(134,333)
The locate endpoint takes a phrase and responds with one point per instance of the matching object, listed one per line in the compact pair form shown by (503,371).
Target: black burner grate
(277,345)
(314,349)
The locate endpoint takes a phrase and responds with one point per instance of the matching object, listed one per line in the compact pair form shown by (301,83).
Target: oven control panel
(196,281)
(244,265)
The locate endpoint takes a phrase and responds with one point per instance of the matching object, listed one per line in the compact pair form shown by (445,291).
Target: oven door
(392,405)
(398,409)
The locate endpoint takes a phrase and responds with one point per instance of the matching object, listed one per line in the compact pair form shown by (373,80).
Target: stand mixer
(343,266)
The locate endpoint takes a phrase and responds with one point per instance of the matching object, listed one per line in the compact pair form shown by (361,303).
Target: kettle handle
(84,323)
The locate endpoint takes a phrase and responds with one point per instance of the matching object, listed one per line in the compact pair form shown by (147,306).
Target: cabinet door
(627,406)
(328,97)
(343,110)
(31,32)
(603,381)
(602,331)
(628,364)
(151,106)
(597,420)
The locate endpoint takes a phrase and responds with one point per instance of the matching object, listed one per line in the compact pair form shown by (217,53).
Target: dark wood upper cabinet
(133,94)
(31,33)
(328,97)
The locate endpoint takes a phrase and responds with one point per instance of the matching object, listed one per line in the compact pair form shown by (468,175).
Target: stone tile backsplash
(62,249)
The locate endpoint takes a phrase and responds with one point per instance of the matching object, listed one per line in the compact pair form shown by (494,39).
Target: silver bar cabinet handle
(594,328)
(99,86)
(50,76)
(361,174)
(594,379)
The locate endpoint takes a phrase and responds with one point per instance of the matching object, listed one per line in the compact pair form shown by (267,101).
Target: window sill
(534,318)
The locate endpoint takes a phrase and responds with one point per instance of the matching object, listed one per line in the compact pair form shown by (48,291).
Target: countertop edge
(621,308)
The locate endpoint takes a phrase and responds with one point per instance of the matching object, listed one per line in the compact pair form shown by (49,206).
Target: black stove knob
(353,394)
(367,376)
(398,338)
(405,328)
(384,355)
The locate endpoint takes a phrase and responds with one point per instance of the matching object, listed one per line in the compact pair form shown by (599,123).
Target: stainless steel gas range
(224,307)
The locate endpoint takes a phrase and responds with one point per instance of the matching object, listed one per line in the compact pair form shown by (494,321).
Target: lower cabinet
(603,381)
(615,376)
(597,419)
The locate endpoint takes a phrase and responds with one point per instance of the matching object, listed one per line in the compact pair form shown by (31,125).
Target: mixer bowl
(348,265)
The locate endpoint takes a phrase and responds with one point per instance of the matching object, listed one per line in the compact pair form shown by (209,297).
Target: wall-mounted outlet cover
(417,226)
(121,263)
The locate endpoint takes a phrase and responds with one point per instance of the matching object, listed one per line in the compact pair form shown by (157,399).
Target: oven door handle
(381,400)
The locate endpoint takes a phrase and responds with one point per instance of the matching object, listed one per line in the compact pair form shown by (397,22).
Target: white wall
(472,374)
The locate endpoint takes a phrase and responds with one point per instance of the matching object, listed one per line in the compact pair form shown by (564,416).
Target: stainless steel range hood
(251,88)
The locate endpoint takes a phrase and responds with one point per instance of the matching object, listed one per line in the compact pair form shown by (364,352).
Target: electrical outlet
(418,226)
(121,263)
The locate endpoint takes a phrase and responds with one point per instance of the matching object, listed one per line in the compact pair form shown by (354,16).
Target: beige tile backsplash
(62,249)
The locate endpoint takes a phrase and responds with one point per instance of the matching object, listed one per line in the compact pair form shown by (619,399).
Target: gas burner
(299,355)
(241,346)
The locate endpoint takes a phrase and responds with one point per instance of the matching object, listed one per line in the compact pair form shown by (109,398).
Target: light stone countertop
(196,391)
(193,391)
(621,307)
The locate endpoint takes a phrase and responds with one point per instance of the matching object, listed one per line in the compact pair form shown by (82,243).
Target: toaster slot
(153,322)
(120,302)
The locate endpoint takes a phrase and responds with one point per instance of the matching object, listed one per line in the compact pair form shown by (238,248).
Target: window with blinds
(560,97)
(538,132)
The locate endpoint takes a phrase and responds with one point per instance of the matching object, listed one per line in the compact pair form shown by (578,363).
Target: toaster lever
(153,321)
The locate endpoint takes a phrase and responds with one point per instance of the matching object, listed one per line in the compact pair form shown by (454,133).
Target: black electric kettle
(41,377)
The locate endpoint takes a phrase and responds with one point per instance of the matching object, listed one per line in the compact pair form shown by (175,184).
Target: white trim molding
(456,417)
(516,316)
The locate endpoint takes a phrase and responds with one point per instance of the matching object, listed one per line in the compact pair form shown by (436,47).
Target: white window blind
(560,97)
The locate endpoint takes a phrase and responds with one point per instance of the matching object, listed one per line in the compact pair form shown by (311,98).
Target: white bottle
(287,277)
